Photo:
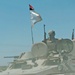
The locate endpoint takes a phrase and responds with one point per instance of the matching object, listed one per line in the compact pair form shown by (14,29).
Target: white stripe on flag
(35,17)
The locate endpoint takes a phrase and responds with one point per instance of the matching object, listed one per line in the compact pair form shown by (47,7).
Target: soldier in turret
(51,35)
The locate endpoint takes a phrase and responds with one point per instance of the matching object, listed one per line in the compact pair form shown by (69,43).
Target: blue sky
(15,26)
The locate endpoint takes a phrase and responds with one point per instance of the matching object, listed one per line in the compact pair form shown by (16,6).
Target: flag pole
(35,17)
(32,35)
(31,8)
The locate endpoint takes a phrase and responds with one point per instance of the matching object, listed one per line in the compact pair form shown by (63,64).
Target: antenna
(44,34)
(73,34)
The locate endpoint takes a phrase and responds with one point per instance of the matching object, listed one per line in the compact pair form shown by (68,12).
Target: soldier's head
(51,33)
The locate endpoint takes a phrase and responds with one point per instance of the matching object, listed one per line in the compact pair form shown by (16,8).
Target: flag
(35,17)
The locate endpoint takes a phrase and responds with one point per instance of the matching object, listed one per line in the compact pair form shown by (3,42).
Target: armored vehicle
(51,56)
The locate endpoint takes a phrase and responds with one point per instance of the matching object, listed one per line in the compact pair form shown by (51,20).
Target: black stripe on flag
(31,7)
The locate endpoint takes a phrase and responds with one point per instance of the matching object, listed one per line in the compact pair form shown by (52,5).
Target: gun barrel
(11,56)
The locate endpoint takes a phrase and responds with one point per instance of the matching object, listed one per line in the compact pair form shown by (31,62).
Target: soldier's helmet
(51,33)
